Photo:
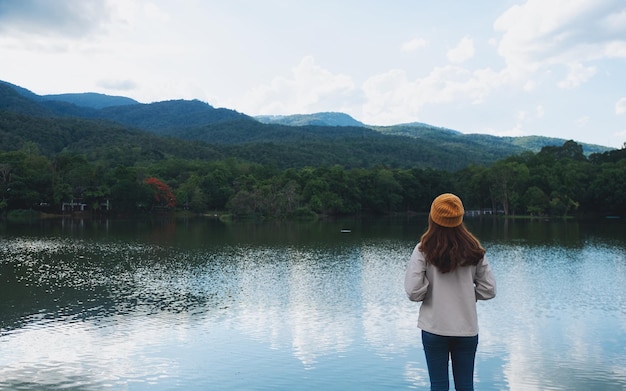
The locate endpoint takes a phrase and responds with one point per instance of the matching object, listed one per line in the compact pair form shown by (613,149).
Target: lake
(197,304)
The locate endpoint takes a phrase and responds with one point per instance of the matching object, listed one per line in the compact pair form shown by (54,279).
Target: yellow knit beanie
(447,210)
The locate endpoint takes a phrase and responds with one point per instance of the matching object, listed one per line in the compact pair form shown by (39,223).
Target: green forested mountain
(92,100)
(424,131)
(87,99)
(309,146)
(93,138)
(160,117)
(449,137)
(318,119)
(56,126)
(186,154)
(92,124)
(535,143)
(17,101)
(170,117)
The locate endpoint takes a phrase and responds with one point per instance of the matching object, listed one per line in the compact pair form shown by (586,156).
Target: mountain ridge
(318,119)
(324,134)
(93,100)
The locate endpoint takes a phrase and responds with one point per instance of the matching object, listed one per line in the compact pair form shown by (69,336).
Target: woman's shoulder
(417,252)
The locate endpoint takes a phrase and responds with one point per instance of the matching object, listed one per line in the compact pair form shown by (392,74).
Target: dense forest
(557,181)
(114,156)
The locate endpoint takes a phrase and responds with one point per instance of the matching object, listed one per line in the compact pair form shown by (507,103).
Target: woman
(448,273)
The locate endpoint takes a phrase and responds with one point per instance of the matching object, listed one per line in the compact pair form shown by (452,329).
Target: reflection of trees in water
(540,232)
(78,281)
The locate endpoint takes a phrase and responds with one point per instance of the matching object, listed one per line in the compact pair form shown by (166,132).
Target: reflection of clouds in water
(558,318)
(389,318)
(319,303)
(293,300)
(58,354)
(318,328)
(509,311)
(133,313)
(417,374)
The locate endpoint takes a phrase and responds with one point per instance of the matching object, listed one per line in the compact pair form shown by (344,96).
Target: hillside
(92,100)
(452,137)
(317,119)
(92,125)
(168,116)
(423,131)
(158,117)
(114,143)
(98,140)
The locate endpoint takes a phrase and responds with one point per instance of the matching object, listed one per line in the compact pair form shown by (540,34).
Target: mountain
(91,125)
(158,117)
(448,137)
(317,119)
(168,116)
(421,130)
(20,90)
(91,99)
(86,99)
(17,99)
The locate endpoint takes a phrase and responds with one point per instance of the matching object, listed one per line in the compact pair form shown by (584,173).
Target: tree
(536,201)
(570,150)
(474,184)
(507,179)
(608,189)
(128,193)
(162,193)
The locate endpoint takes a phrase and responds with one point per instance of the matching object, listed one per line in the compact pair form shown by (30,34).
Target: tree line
(557,181)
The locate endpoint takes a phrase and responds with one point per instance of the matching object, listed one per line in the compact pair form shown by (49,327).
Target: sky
(554,68)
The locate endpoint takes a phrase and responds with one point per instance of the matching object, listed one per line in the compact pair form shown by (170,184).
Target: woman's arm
(484,281)
(415,281)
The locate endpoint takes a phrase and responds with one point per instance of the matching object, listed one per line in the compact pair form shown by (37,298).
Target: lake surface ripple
(200,305)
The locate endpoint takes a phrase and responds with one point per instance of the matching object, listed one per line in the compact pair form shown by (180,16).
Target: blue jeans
(439,349)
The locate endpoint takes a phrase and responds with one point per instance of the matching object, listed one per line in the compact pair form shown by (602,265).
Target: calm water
(199,305)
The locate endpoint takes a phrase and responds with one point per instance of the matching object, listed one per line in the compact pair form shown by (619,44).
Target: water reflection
(560,314)
(200,305)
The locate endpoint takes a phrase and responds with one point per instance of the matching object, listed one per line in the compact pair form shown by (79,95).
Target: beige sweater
(448,299)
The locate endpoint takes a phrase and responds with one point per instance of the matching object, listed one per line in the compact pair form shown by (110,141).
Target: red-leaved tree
(162,192)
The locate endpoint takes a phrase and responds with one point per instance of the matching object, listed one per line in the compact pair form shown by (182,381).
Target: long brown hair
(450,247)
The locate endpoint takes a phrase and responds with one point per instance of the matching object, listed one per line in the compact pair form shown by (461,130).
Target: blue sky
(554,68)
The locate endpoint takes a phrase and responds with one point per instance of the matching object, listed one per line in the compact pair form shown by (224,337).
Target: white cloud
(615,50)
(310,88)
(539,33)
(522,121)
(533,54)
(620,106)
(391,97)
(577,75)
(517,130)
(615,23)
(414,44)
(387,98)
(462,52)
